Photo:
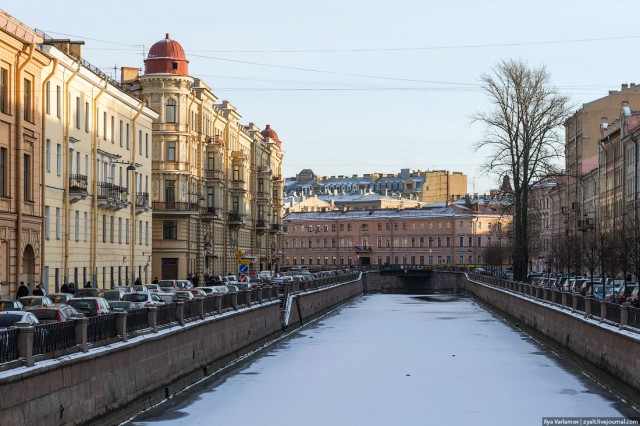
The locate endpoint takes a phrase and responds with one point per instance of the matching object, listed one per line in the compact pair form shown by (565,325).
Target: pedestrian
(195,280)
(155,281)
(138,281)
(22,290)
(88,284)
(72,288)
(38,291)
(64,288)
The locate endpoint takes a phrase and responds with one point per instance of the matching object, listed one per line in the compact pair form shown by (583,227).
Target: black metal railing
(276,227)
(142,199)
(209,305)
(210,211)
(260,223)
(613,312)
(235,218)
(595,306)
(111,191)
(166,314)
(78,183)
(364,249)
(137,319)
(190,309)
(9,339)
(242,298)
(175,206)
(634,318)
(581,303)
(226,301)
(101,328)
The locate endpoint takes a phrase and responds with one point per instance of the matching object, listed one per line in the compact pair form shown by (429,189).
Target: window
(461,241)
(104,228)
(170,229)
(121,132)
(140,142)
(170,114)
(113,129)
(4,90)
(104,125)
(112,230)
(86,225)
(146,233)
(47,98)
(27,103)
(78,111)
(146,145)
(169,192)
(119,230)
(171,151)
(58,224)
(86,117)
(77,226)
(4,162)
(58,101)
(126,231)
(47,221)
(236,172)
(27,178)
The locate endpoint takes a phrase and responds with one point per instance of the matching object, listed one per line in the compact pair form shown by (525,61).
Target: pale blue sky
(417,115)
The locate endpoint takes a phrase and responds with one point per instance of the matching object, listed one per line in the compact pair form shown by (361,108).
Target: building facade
(216,183)
(21,65)
(444,236)
(97,171)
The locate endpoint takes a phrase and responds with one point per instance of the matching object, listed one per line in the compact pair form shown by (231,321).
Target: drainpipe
(225,199)
(94,190)
(18,149)
(65,175)
(43,169)
(132,196)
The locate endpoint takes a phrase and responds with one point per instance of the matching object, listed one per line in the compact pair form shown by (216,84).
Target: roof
(166,57)
(451,211)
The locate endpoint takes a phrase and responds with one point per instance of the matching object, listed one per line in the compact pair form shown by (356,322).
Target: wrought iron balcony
(77,188)
(264,170)
(142,202)
(262,196)
(235,219)
(210,213)
(112,196)
(175,207)
(276,228)
(364,249)
(261,224)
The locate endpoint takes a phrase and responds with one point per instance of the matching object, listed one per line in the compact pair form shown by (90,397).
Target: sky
(362,86)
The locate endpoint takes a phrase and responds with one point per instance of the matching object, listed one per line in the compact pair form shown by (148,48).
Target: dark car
(87,292)
(116,294)
(11,305)
(91,306)
(60,297)
(56,313)
(121,305)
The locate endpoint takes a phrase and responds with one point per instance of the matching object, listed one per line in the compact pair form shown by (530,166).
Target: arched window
(171,111)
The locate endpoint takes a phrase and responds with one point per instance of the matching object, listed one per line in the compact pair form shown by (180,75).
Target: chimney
(625,86)
(128,74)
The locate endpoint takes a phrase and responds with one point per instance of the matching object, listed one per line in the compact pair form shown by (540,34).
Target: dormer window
(174,65)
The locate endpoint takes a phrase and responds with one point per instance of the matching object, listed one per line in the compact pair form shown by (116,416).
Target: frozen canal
(395,360)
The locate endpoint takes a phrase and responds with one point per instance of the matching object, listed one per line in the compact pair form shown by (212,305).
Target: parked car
(141,287)
(243,286)
(229,280)
(125,288)
(182,295)
(634,297)
(217,289)
(60,297)
(9,318)
(11,305)
(197,292)
(90,306)
(154,287)
(623,292)
(166,297)
(143,298)
(87,292)
(267,275)
(232,287)
(56,313)
(178,284)
(121,305)
(215,280)
(112,295)
(34,301)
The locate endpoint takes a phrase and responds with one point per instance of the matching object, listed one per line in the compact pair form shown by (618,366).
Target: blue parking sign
(243,268)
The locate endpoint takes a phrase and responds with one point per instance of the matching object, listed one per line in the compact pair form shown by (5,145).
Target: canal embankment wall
(108,385)
(607,347)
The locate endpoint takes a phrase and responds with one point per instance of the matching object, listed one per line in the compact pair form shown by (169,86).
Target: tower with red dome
(166,57)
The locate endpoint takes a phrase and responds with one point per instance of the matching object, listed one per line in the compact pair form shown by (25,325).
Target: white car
(9,318)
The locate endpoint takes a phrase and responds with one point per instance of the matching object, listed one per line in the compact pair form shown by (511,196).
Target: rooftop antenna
(474,185)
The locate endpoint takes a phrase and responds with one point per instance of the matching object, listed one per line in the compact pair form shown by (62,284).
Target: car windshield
(57,298)
(135,297)
(120,305)
(7,306)
(31,301)
(111,295)
(7,320)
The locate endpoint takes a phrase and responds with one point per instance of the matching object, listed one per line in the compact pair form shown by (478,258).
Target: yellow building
(97,172)
(21,64)
(217,186)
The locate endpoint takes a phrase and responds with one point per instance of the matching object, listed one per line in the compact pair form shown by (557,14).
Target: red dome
(166,57)
(270,133)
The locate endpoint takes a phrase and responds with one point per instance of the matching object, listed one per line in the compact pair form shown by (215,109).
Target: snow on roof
(452,211)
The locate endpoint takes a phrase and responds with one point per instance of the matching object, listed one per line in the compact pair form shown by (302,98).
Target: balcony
(586,224)
(213,175)
(142,202)
(112,196)
(262,196)
(364,249)
(261,225)
(77,188)
(210,213)
(175,207)
(264,170)
(276,228)
(235,219)
(238,186)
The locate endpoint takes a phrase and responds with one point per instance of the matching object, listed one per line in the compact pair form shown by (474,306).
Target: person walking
(22,290)
(38,291)
(138,281)
(88,284)
(64,288)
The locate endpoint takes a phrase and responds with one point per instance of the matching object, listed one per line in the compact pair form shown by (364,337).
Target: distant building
(369,201)
(427,187)
(455,235)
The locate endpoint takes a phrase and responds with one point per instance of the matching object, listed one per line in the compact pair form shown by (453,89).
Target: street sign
(243,268)
(239,254)
(244,278)
(244,261)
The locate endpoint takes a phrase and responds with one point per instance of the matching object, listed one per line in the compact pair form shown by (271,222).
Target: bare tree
(522,133)
(590,251)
